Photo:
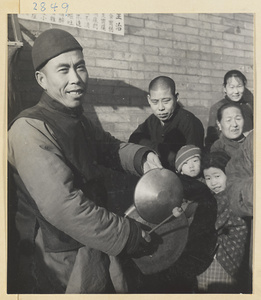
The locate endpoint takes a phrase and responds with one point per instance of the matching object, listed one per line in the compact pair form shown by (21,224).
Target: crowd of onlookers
(229,134)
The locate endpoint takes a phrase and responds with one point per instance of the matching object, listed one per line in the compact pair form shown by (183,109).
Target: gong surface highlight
(156,194)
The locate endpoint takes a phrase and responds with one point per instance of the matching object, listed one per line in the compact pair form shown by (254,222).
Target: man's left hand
(151,162)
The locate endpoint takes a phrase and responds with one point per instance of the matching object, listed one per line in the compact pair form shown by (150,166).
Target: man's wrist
(140,158)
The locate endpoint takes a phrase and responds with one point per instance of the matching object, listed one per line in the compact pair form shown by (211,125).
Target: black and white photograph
(130,153)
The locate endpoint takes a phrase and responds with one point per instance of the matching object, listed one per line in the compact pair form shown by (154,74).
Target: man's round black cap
(50,44)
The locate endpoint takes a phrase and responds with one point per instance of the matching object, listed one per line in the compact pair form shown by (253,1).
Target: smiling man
(170,127)
(65,78)
(55,153)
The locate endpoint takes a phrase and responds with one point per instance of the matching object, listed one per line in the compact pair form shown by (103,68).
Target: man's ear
(41,79)
(148,98)
(219,125)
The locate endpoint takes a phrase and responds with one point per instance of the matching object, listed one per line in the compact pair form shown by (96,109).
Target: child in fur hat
(220,277)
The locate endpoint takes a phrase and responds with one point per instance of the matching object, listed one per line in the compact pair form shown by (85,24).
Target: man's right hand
(140,242)
(146,236)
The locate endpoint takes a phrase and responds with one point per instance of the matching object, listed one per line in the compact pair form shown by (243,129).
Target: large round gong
(156,194)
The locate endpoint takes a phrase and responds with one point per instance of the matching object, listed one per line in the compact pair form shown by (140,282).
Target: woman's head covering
(217,159)
(235,73)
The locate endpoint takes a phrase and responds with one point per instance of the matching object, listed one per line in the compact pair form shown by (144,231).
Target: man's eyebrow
(63,65)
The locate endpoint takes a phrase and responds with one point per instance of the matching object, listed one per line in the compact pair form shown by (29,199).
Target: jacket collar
(242,100)
(240,139)
(52,104)
(176,110)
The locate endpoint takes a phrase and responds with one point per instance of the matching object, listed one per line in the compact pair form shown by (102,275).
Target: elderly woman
(235,92)
(230,121)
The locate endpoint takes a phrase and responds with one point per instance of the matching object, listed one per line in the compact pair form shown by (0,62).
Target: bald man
(170,126)
(55,153)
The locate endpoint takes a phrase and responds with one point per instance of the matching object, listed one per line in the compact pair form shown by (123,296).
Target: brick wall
(196,50)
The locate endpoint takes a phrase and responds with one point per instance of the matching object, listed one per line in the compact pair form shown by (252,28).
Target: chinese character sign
(111,23)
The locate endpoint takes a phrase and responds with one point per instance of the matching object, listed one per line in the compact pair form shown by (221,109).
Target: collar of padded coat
(235,143)
(47,101)
(242,100)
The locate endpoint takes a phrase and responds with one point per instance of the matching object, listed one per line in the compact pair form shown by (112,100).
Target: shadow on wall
(104,93)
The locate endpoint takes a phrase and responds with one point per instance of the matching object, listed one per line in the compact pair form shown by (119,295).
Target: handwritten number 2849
(53,6)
